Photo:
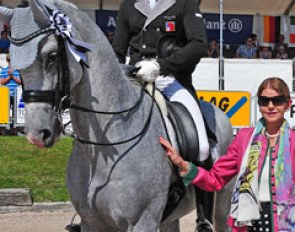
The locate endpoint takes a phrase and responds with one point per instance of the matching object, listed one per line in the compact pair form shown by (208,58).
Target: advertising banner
(4,105)
(236,105)
(19,107)
(106,20)
(236,28)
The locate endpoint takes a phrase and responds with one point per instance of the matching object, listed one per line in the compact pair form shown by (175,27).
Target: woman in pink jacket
(263,158)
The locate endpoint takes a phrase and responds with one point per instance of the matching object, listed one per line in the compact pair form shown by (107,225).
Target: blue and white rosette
(63,27)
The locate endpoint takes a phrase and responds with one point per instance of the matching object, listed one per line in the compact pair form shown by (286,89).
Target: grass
(23,165)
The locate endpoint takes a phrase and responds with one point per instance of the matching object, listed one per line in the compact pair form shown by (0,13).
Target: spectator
(262,157)
(281,53)
(4,42)
(265,53)
(10,78)
(247,50)
(281,42)
(254,39)
(255,44)
(213,50)
(110,36)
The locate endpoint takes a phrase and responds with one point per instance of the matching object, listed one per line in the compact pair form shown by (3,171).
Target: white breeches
(174,91)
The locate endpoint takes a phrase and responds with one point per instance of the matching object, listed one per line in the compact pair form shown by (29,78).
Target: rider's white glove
(149,70)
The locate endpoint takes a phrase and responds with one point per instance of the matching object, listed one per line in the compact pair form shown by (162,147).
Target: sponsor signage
(4,105)
(106,20)
(235,28)
(19,107)
(235,104)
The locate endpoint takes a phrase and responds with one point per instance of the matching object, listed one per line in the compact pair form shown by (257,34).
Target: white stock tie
(152,3)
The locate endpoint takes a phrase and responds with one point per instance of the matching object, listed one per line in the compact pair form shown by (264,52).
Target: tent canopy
(264,7)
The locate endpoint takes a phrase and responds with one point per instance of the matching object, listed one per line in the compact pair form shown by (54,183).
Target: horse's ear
(40,12)
(5,14)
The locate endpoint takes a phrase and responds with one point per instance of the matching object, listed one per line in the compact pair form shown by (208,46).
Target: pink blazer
(228,165)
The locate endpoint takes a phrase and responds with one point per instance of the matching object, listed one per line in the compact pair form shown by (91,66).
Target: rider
(141,25)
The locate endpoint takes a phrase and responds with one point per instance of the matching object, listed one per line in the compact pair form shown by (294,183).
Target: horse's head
(42,44)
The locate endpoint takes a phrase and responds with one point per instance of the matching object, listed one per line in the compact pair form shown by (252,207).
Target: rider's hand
(149,70)
(175,158)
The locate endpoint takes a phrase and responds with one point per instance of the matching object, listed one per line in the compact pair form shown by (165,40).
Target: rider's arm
(121,38)
(196,47)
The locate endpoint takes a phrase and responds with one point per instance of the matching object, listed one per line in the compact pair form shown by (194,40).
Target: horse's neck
(106,90)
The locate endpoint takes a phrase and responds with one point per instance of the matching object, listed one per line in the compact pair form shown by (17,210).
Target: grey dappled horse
(121,181)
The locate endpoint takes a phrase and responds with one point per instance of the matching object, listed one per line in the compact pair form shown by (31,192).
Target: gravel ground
(56,221)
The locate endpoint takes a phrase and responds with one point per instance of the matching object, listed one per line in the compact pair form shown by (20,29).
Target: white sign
(240,74)
(19,107)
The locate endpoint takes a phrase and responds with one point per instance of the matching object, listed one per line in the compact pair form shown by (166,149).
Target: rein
(142,131)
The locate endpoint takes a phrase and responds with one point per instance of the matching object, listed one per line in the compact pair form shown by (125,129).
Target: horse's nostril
(46,134)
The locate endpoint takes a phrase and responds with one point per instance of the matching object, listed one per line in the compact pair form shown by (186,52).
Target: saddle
(185,130)
(188,145)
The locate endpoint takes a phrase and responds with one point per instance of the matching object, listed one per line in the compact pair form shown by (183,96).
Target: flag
(292,29)
(170,26)
(272,28)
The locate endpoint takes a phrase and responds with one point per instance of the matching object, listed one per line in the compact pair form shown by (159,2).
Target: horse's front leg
(101,228)
(150,218)
(222,207)
(170,227)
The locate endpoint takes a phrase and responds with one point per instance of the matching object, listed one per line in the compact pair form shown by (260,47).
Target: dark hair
(3,32)
(23,3)
(253,36)
(276,84)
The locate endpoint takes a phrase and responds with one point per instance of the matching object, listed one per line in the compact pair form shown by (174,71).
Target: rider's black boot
(205,203)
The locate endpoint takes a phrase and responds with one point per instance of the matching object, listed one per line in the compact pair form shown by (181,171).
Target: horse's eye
(52,57)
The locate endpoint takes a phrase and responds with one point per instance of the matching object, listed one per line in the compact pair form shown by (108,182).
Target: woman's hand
(175,158)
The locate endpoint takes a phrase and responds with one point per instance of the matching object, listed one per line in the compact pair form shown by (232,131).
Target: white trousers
(174,91)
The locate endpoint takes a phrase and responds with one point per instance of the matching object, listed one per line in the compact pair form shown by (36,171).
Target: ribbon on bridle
(59,24)
(62,26)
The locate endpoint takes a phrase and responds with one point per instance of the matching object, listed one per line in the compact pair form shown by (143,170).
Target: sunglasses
(276,101)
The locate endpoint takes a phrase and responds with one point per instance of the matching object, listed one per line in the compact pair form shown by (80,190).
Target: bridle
(60,96)
(58,26)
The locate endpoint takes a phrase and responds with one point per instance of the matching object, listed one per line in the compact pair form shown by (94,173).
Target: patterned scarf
(244,203)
